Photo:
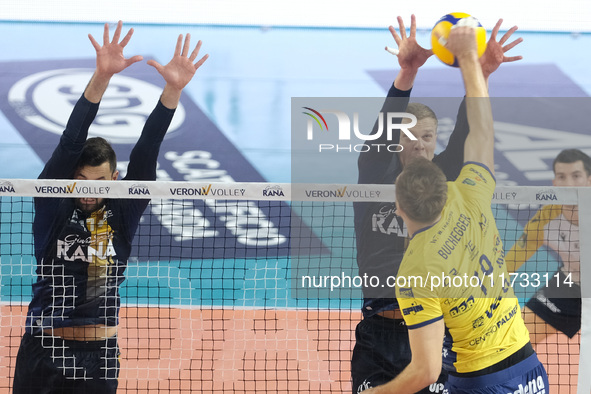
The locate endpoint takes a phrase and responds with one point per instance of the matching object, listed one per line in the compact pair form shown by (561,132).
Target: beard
(89,205)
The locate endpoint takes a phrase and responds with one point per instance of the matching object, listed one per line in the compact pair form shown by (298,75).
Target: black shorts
(559,305)
(381,352)
(53,365)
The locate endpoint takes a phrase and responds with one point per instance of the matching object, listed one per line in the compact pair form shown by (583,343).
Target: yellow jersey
(454,270)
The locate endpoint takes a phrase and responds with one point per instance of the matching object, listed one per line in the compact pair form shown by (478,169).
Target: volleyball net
(244,287)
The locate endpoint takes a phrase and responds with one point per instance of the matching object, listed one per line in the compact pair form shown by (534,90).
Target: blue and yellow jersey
(455,271)
(82,257)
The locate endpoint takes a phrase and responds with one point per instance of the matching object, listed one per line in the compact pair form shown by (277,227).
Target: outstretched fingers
(116,37)
(401,27)
(179,44)
(495,30)
(106,34)
(187,45)
(511,45)
(117,32)
(94,43)
(127,37)
(508,59)
(395,35)
(507,35)
(133,59)
(195,51)
(201,61)
(413,26)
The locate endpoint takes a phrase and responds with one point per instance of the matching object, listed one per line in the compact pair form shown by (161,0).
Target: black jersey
(380,233)
(81,258)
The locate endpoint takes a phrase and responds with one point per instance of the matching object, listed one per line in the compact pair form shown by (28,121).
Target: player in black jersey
(82,245)
(382,349)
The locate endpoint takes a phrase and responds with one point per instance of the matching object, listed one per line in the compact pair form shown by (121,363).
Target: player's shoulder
(421,256)
(476,170)
(475,184)
(413,256)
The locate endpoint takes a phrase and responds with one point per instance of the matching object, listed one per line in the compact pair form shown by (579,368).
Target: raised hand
(462,42)
(109,56)
(410,54)
(180,70)
(494,55)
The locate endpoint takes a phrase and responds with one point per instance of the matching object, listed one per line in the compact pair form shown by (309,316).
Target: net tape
(258,191)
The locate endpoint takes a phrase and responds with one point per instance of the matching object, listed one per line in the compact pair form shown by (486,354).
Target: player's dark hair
(572,156)
(421,190)
(97,151)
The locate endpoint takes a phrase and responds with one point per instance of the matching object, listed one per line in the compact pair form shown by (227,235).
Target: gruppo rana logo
(387,123)
(45,100)
(6,187)
(139,189)
(273,191)
(546,195)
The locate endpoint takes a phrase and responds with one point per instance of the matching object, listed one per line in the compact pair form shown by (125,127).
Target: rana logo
(273,191)
(546,195)
(139,189)
(6,187)
(46,99)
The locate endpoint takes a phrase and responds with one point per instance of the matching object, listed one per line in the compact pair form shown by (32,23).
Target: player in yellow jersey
(456,279)
(557,305)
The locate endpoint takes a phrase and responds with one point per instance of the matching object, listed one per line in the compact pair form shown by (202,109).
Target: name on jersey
(457,232)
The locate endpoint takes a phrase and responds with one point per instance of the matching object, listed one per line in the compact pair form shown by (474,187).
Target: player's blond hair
(421,111)
(421,190)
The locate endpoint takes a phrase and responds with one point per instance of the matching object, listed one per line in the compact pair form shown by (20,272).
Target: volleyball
(440,33)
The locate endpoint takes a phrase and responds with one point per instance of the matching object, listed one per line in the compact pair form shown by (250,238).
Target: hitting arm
(479,145)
